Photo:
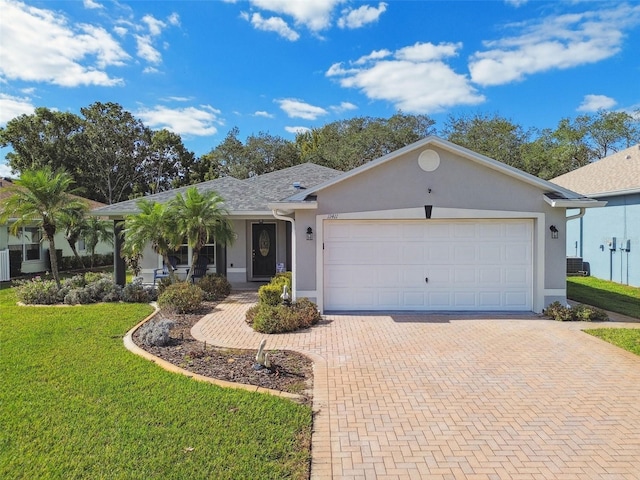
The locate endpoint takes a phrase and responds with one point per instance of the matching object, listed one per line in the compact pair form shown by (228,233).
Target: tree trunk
(54,260)
(72,245)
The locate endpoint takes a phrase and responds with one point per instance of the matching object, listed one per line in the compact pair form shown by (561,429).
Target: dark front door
(263,249)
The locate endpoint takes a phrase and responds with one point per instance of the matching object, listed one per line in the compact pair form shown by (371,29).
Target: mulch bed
(290,371)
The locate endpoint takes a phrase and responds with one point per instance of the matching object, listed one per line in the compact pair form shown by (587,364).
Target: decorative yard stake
(286,298)
(262,358)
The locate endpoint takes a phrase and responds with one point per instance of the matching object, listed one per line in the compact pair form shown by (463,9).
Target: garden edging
(132,347)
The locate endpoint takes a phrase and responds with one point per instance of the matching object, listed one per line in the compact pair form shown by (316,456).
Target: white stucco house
(430,227)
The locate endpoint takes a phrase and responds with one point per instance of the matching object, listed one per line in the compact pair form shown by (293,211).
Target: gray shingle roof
(241,196)
(616,173)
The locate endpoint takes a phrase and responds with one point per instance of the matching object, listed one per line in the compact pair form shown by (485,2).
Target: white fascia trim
(418,213)
(574,203)
(293,206)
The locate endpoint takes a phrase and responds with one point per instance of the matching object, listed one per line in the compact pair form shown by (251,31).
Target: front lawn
(604,294)
(627,338)
(76,404)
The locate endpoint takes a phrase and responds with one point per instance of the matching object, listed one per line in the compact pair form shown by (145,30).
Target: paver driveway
(461,397)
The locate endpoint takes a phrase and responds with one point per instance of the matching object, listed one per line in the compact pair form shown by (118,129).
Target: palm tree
(200,218)
(45,197)
(95,231)
(74,224)
(155,225)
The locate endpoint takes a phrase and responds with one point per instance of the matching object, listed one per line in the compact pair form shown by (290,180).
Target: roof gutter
(583,210)
(282,216)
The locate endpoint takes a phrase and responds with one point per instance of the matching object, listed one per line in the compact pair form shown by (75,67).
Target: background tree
(153,225)
(167,164)
(45,197)
(612,131)
(44,139)
(116,145)
(496,137)
(227,159)
(201,218)
(347,144)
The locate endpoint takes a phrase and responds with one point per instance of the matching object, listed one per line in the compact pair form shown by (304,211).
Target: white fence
(4,266)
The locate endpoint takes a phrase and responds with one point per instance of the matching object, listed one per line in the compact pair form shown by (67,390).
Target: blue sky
(200,68)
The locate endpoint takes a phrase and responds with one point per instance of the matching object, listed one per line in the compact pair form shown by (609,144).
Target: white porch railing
(4,266)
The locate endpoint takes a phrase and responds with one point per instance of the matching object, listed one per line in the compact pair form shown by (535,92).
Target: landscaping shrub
(79,289)
(214,286)
(156,333)
(37,291)
(266,318)
(272,316)
(270,293)
(181,297)
(579,313)
(135,292)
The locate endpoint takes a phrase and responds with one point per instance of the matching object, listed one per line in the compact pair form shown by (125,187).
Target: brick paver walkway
(459,397)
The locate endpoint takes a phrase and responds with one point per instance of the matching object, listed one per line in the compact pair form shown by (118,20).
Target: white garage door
(428,265)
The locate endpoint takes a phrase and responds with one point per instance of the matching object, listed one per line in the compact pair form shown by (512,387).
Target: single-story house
(430,227)
(30,243)
(607,239)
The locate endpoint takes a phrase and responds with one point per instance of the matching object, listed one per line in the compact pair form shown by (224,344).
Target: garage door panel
(470,265)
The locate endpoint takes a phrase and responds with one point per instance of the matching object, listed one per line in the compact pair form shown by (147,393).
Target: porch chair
(164,271)
(200,268)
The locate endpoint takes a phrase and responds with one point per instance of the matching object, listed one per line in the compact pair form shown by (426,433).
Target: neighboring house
(608,239)
(31,245)
(432,226)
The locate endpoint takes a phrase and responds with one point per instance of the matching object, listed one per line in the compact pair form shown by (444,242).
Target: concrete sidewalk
(459,396)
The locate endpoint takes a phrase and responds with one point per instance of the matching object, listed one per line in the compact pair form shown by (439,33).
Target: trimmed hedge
(181,297)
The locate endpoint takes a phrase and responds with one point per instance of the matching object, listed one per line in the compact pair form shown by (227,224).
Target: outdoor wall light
(309,233)
(554,231)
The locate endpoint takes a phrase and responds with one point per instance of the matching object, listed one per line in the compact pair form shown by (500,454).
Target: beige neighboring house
(31,245)
(606,241)
(430,227)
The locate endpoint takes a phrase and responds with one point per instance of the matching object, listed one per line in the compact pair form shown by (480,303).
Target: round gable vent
(429,160)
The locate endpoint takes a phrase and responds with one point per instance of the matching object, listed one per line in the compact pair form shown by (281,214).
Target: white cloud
(343,107)
(297,130)
(5,171)
(154,25)
(189,121)
(593,103)
(273,24)
(174,19)
(356,18)
(40,45)
(11,107)
(146,50)
(120,31)
(314,14)
(299,109)
(558,42)
(516,3)
(261,113)
(91,5)
(415,78)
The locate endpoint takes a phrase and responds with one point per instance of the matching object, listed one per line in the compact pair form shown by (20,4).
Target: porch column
(119,267)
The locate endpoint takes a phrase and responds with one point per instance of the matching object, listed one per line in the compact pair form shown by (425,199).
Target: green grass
(604,294)
(627,338)
(75,404)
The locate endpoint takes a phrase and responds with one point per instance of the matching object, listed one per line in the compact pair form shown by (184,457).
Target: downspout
(280,216)
(583,210)
(579,215)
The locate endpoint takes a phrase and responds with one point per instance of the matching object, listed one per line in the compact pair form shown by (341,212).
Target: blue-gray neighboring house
(608,238)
